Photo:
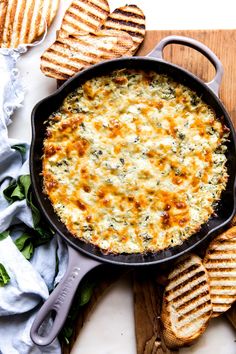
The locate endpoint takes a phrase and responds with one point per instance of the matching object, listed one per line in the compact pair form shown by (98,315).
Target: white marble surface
(110,329)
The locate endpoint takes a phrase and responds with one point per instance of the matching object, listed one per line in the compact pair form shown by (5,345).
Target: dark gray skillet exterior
(89,256)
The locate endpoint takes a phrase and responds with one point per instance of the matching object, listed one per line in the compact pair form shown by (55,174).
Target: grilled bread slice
(67,56)
(84,15)
(187,306)
(220,262)
(23,21)
(131,19)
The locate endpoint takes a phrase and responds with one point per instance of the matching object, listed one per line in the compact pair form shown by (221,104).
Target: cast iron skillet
(82,256)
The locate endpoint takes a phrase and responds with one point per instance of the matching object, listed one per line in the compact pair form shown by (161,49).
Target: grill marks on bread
(85,28)
(187,304)
(69,55)
(22,22)
(220,262)
(130,19)
(84,15)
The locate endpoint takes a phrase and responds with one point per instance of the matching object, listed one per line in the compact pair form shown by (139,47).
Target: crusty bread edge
(227,235)
(166,323)
(101,33)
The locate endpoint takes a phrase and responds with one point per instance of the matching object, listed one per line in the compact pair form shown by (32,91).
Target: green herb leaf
(67,333)
(44,235)
(4,235)
(18,193)
(20,147)
(25,245)
(21,241)
(85,292)
(9,190)
(18,190)
(25,183)
(4,277)
(82,297)
(35,212)
(28,251)
(41,234)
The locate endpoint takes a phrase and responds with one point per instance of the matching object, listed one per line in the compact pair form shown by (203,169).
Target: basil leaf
(66,334)
(18,193)
(21,241)
(18,190)
(45,235)
(4,235)
(35,212)
(7,192)
(85,292)
(25,183)
(28,251)
(82,297)
(4,277)
(20,147)
(25,245)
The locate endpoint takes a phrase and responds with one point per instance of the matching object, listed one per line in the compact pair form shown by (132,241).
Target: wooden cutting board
(147,293)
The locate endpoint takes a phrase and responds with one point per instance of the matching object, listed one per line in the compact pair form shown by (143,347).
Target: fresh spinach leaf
(35,212)
(9,190)
(86,292)
(18,190)
(32,238)
(18,193)
(25,183)
(4,235)
(28,251)
(41,232)
(82,297)
(4,277)
(20,147)
(25,245)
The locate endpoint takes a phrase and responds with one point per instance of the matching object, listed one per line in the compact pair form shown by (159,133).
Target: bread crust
(84,15)
(23,21)
(131,19)
(186,308)
(220,262)
(69,55)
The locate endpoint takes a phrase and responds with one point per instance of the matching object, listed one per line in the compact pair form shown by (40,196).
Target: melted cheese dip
(134,162)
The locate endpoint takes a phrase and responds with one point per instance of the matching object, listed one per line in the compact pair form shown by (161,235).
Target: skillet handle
(61,298)
(214,85)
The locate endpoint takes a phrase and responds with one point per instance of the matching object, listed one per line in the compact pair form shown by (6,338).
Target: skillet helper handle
(61,298)
(214,85)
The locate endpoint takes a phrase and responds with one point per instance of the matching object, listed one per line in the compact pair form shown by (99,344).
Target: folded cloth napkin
(30,281)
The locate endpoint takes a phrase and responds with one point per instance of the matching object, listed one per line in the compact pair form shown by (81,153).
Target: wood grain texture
(147,310)
(146,292)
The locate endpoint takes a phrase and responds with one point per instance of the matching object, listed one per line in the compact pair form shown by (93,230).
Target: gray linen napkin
(30,281)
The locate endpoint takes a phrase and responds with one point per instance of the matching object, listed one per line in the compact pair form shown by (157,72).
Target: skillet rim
(89,249)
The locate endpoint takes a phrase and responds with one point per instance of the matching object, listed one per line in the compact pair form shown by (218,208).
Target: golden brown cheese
(134,162)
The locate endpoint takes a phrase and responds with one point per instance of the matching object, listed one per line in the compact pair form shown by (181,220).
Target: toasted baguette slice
(84,15)
(67,56)
(187,306)
(23,21)
(220,262)
(131,19)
